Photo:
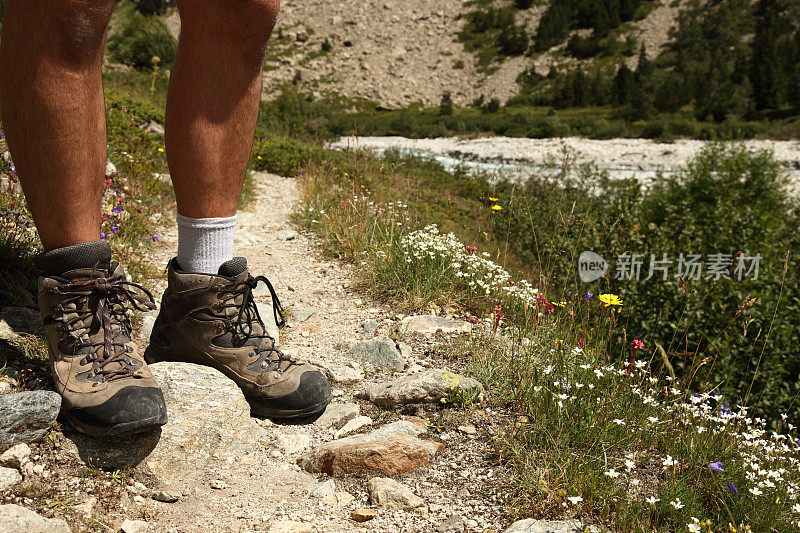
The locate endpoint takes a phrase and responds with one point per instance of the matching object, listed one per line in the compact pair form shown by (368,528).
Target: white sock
(205,243)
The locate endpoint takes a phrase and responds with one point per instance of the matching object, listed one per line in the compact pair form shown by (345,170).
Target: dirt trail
(266,485)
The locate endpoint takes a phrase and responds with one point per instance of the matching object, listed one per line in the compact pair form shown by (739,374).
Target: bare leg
(53,114)
(212,106)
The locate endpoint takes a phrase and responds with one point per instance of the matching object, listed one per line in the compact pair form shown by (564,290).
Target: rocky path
(386,455)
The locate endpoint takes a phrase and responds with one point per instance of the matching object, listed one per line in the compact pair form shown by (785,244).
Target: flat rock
(363,515)
(209,421)
(390,494)
(293,443)
(326,488)
(547,526)
(381,352)
(424,387)
(390,450)
(452,524)
(341,499)
(9,477)
(342,374)
(16,519)
(335,416)
(27,416)
(430,324)
(353,425)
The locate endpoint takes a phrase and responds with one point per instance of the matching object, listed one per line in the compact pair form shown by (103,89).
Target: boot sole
(127,428)
(257,409)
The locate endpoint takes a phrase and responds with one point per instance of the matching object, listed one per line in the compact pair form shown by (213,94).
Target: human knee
(245,25)
(82,25)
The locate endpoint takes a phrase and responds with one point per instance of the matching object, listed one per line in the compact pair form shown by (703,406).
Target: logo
(591,266)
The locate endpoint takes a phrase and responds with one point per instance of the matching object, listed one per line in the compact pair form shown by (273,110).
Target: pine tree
(765,72)
(624,86)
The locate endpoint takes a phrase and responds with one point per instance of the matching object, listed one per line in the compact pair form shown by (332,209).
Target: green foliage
(152,7)
(726,201)
(140,40)
(446,105)
(492,33)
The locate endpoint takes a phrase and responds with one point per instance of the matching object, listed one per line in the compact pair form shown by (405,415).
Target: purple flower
(732,487)
(114,229)
(155,238)
(118,209)
(588,295)
(716,466)
(103,235)
(725,408)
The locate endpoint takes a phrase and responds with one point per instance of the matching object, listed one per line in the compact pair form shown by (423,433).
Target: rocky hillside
(397,53)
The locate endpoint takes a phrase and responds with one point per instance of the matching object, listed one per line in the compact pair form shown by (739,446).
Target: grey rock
(405,350)
(209,421)
(16,519)
(5,386)
(342,374)
(218,484)
(326,488)
(424,387)
(387,493)
(9,477)
(380,352)
(15,456)
(429,324)
(337,415)
(547,526)
(452,524)
(369,326)
(8,334)
(134,526)
(286,235)
(27,416)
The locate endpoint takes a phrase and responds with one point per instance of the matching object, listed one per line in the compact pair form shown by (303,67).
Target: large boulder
(209,420)
(16,519)
(391,450)
(27,416)
(424,387)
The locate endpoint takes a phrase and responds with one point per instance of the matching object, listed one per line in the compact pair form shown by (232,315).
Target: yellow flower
(493,199)
(160,149)
(259,157)
(559,304)
(496,207)
(610,299)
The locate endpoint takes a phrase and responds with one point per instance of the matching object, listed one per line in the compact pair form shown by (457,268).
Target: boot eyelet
(277,374)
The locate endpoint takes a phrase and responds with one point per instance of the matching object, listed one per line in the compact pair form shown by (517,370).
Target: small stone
(139,499)
(425,387)
(134,526)
(369,326)
(286,235)
(323,489)
(302,314)
(9,477)
(38,469)
(468,429)
(27,416)
(430,324)
(111,169)
(292,443)
(363,515)
(85,509)
(218,484)
(5,386)
(390,494)
(381,352)
(152,127)
(343,374)
(405,349)
(166,494)
(16,519)
(353,425)
(334,417)
(15,456)
(452,524)
(288,526)
(340,498)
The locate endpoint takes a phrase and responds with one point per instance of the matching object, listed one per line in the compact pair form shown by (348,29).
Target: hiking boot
(213,320)
(84,300)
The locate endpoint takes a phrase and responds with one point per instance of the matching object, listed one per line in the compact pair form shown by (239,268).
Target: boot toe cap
(132,409)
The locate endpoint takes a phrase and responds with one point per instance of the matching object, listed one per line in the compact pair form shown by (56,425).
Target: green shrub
(140,40)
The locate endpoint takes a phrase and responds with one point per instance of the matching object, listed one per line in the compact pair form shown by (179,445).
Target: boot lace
(248,315)
(103,303)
